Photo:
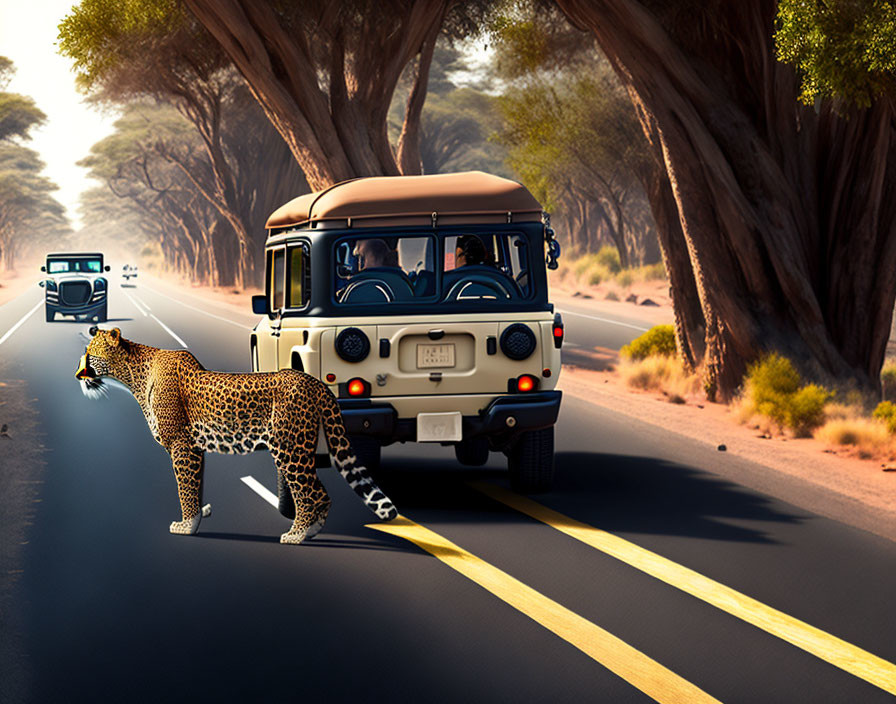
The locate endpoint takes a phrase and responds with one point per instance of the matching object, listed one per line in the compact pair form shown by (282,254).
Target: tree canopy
(28,211)
(841,50)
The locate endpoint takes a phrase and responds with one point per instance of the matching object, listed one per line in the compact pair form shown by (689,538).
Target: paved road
(643,575)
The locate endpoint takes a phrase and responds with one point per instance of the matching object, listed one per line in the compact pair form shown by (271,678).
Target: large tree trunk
(340,133)
(409,158)
(788,215)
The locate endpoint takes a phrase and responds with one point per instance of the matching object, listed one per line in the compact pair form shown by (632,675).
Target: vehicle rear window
(384,269)
(486,267)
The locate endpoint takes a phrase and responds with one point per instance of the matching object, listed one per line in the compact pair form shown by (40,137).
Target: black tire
(51,314)
(286,505)
(102,316)
(367,451)
(472,452)
(531,461)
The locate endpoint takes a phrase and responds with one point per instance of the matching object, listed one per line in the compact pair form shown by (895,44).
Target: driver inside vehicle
(470,251)
(375,253)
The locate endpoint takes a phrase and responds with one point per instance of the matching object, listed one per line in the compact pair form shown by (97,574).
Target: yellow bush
(659,340)
(886,412)
(805,411)
(625,278)
(773,389)
(608,257)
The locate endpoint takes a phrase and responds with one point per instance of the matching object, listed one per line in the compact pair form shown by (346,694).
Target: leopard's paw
(293,538)
(206,510)
(185,527)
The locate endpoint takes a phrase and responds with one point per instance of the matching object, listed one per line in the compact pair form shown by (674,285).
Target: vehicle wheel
(285,505)
(472,452)
(531,461)
(367,451)
(51,315)
(101,316)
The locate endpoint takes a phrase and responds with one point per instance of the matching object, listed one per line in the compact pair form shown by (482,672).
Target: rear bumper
(501,421)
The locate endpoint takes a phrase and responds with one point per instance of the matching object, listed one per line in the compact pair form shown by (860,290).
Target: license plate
(439,427)
(431,356)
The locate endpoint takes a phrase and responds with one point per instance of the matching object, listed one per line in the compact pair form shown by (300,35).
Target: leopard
(191,411)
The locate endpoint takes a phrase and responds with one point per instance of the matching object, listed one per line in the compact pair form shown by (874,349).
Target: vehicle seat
(478,281)
(379,284)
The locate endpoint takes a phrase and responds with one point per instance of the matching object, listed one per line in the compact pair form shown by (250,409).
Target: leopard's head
(105,356)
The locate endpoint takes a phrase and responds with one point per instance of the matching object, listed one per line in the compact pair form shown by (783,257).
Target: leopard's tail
(344,459)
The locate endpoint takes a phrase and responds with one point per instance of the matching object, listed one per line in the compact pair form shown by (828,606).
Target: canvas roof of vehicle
(468,197)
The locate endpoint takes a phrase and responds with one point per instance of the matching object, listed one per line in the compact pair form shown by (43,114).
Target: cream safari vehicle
(422,301)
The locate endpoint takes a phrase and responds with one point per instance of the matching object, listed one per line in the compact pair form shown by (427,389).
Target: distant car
(422,301)
(129,272)
(75,285)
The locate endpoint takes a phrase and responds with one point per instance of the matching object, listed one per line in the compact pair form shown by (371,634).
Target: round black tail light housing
(518,341)
(352,345)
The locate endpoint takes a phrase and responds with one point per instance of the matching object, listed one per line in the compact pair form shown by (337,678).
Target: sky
(28,30)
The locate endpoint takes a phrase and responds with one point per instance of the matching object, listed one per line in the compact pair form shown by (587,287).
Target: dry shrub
(659,373)
(868,436)
(888,380)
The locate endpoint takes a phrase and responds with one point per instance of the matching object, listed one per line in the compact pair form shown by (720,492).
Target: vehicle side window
(299,277)
(277,279)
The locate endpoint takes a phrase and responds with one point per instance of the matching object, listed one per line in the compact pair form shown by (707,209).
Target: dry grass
(869,437)
(660,373)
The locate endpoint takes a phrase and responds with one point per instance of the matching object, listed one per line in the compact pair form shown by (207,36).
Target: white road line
(169,330)
(261,490)
(199,310)
(136,305)
(16,326)
(604,320)
(142,302)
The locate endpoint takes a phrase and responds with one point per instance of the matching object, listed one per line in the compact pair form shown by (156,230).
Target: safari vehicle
(75,285)
(422,301)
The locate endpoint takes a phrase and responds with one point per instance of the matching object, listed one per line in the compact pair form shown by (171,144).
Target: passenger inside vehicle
(469,251)
(375,253)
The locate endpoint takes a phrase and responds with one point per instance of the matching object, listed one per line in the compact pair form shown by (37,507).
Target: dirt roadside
(803,472)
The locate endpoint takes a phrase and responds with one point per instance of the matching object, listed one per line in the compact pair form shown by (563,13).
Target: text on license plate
(429,356)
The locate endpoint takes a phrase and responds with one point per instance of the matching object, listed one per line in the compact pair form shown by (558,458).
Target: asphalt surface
(105,604)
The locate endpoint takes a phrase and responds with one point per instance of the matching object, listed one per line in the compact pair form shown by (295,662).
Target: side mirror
(43,268)
(41,283)
(106,268)
(260,305)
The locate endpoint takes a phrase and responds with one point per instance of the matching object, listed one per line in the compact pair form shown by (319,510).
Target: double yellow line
(616,655)
(642,672)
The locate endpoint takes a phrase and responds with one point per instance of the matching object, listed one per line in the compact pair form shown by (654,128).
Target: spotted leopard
(191,411)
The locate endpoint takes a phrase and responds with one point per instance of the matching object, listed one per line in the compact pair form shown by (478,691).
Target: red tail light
(358,387)
(526,383)
(557,331)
